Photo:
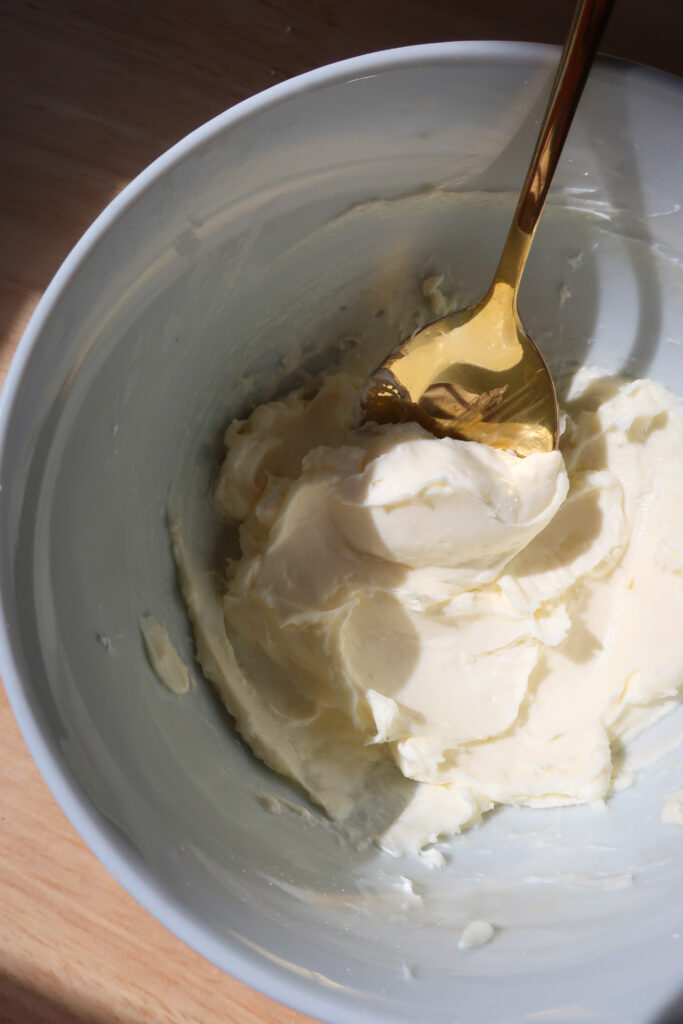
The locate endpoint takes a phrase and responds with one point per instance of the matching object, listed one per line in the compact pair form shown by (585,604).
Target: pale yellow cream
(420,628)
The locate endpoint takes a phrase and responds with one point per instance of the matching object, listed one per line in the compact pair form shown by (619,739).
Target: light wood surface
(90,92)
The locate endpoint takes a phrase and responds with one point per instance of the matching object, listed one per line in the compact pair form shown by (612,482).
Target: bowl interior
(282,239)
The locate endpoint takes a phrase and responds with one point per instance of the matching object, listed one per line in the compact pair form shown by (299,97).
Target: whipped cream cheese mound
(420,628)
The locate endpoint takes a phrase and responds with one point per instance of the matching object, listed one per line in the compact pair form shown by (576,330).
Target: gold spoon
(476,374)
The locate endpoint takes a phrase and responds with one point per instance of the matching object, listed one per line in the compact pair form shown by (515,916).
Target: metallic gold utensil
(476,374)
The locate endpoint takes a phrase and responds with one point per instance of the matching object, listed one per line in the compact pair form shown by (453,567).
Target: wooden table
(90,92)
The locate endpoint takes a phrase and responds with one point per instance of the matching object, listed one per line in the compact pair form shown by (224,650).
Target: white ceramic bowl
(192,296)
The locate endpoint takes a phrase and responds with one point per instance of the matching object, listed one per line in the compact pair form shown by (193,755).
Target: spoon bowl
(474,374)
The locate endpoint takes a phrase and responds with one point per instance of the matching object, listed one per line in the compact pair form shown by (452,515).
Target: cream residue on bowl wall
(165,661)
(672,812)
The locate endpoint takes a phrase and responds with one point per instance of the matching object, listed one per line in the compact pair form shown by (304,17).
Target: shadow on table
(22,1004)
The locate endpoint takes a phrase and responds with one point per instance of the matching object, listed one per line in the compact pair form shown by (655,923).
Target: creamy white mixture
(165,661)
(672,812)
(476,933)
(421,628)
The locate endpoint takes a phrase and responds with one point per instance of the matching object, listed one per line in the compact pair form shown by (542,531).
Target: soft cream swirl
(490,625)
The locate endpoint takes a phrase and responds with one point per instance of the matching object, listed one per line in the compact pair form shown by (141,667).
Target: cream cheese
(167,664)
(672,812)
(420,628)
(476,933)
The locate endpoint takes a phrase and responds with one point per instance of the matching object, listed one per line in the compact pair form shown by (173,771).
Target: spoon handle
(588,24)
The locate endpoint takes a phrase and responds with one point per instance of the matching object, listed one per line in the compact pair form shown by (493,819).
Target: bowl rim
(258,968)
